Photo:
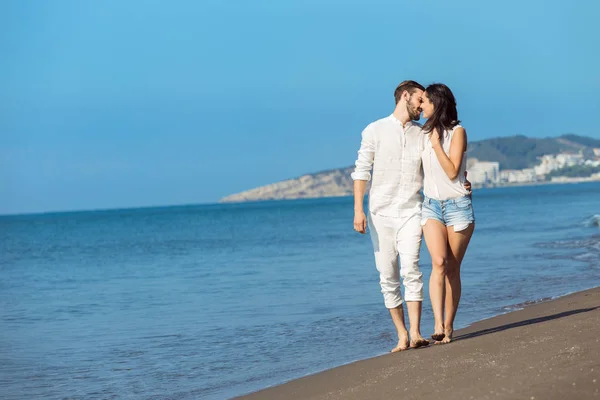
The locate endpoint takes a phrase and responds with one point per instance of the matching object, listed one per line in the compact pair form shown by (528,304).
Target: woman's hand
(450,163)
(434,138)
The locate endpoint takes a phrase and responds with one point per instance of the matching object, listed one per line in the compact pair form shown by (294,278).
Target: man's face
(413,105)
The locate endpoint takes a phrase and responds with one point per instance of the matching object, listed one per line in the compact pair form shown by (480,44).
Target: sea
(215,301)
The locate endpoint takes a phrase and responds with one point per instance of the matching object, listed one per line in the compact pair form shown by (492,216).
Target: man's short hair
(409,86)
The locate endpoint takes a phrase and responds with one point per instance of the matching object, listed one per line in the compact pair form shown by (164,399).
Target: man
(391,147)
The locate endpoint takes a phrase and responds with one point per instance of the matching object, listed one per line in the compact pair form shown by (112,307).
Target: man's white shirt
(390,157)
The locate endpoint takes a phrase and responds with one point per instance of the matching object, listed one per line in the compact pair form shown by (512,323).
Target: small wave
(520,306)
(567,244)
(593,221)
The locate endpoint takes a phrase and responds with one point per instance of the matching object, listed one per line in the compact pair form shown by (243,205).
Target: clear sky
(119,103)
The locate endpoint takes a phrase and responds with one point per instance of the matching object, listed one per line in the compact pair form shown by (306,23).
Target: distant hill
(582,140)
(514,152)
(331,183)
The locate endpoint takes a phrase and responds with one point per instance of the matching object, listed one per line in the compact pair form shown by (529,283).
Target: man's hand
(360,221)
(467,184)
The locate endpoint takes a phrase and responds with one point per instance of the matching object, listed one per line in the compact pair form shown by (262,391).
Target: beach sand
(549,350)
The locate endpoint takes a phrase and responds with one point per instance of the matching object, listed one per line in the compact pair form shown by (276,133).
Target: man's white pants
(393,237)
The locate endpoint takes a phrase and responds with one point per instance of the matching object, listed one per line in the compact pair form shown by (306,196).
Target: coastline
(562,181)
(545,350)
(348,192)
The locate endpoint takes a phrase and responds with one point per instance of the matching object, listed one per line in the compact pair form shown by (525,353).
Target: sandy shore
(549,350)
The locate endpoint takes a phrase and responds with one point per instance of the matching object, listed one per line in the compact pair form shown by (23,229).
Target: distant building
(488,173)
(548,164)
(568,160)
(518,175)
(483,172)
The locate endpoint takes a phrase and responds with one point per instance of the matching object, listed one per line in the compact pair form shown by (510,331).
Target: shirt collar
(396,120)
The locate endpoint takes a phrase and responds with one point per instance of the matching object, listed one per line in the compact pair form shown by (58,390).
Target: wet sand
(548,350)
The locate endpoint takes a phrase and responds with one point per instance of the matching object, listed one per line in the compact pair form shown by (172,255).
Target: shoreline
(516,346)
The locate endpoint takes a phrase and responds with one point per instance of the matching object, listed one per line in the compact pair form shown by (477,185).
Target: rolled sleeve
(366,155)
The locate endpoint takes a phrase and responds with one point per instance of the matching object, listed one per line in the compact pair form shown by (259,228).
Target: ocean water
(214,301)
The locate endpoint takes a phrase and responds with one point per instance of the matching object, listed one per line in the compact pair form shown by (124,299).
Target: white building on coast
(483,172)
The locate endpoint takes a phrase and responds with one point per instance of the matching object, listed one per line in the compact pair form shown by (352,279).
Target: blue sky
(135,103)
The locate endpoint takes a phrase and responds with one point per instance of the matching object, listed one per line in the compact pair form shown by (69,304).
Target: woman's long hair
(445,115)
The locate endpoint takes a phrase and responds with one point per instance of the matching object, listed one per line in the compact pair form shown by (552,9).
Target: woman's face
(427,106)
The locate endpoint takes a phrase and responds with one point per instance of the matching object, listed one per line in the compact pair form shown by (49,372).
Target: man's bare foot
(401,346)
(416,341)
(439,333)
(447,337)
(402,343)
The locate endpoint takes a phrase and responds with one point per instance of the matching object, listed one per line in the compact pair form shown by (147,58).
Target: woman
(448,220)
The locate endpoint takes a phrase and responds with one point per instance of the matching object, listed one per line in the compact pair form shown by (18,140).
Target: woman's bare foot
(447,337)
(439,333)
(402,342)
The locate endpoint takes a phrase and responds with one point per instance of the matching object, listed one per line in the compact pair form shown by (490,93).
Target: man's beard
(413,113)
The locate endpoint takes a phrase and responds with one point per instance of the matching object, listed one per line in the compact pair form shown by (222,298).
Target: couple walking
(400,157)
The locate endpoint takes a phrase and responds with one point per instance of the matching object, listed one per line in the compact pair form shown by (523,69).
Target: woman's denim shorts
(454,212)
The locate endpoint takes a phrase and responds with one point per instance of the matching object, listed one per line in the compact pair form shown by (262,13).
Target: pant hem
(396,306)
